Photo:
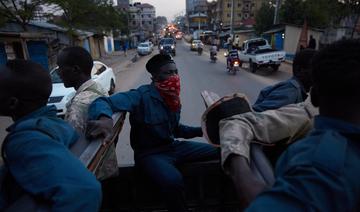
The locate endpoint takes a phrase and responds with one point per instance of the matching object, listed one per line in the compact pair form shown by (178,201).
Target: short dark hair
(29,80)
(302,66)
(336,70)
(78,56)
(153,65)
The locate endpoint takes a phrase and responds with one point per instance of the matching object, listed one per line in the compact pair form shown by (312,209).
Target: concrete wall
(108,39)
(292,36)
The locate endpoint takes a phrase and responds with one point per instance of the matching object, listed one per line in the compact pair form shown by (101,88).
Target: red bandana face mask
(169,90)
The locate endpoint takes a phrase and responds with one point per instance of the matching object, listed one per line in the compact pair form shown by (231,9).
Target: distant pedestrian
(312,43)
(125,46)
(217,43)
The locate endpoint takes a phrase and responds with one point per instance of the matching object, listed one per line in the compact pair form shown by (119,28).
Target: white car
(60,95)
(144,48)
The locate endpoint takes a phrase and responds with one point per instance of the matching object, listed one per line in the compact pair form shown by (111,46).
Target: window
(228,15)
(150,22)
(246,15)
(229,5)
(239,4)
(149,15)
(143,22)
(142,16)
(134,22)
(97,69)
(133,16)
(239,15)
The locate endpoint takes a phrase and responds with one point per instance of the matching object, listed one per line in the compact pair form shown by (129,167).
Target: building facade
(243,11)
(123,5)
(142,20)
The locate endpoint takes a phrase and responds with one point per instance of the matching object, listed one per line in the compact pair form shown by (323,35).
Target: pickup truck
(258,53)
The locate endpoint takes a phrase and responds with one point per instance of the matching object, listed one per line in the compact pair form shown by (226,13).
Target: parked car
(167,46)
(60,95)
(144,48)
(258,53)
(194,44)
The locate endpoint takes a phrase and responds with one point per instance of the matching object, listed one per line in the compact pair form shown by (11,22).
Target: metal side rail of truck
(258,53)
(207,187)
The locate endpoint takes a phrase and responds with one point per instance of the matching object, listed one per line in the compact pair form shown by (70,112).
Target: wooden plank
(96,150)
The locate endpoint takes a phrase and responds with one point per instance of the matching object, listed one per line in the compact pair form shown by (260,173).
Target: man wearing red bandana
(154,117)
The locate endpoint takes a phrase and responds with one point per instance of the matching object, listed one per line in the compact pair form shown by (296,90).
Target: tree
(319,13)
(94,15)
(263,22)
(20,11)
(292,11)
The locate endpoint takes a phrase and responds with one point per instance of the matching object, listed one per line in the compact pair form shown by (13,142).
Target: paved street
(197,74)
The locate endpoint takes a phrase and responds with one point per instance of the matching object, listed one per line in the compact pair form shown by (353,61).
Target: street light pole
(232,18)
(276,14)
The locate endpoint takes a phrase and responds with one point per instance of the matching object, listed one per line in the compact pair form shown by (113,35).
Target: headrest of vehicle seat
(225,107)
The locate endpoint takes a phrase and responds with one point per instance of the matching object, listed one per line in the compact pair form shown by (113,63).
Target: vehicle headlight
(172,46)
(161,47)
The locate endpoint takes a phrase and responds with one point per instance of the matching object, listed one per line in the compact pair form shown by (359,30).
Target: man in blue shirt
(321,172)
(36,154)
(154,118)
(290,91)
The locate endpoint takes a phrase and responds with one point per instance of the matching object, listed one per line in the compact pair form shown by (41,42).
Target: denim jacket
(36,154)
(318,173)
(281,94)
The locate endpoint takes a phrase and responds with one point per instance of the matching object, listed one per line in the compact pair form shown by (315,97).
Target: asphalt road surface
(197,74)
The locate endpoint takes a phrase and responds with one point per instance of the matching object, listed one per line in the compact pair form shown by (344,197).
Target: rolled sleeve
(277,98)
(237,132)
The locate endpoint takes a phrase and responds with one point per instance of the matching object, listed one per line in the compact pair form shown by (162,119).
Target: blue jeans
(161,168)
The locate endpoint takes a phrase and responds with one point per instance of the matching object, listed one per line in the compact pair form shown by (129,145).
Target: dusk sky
(167,8)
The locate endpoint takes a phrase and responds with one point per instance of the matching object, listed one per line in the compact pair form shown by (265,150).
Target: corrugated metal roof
(47,25)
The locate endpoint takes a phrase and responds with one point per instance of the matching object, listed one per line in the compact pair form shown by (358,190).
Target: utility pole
(276,14)
(232,19)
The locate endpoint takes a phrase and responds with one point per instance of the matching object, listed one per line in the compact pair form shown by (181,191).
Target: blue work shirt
(280,94)
(153,125)
(318,173)
(37,156)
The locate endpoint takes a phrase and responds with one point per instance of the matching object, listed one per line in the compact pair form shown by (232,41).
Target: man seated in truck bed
(291,91)
(36,150)
(154,118)
(320,172)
